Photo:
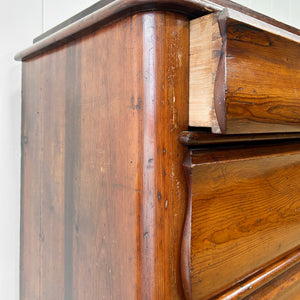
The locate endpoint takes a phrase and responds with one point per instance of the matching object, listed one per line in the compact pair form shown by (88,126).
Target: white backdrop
(21,21)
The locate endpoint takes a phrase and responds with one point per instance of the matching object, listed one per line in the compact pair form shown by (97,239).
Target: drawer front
(244,214)
(244,75)
(284,287)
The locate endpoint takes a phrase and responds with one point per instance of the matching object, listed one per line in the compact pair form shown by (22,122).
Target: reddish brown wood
(244,213)
(262,278)
(104,194)
(122,8)
(103,188)
(186,237)
(198,138)
(244,75)
(43,185)
(30,236)
(260,92)
(284,287)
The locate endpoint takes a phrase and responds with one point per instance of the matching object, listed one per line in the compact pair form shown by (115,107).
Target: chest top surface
(107,11)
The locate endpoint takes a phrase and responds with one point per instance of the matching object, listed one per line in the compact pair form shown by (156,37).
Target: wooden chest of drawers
(161,155)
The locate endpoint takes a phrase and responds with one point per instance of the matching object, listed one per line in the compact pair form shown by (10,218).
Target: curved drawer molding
(244,75)
(243,218)
(253,285)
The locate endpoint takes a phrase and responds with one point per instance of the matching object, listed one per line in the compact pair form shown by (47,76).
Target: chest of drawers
(161,155)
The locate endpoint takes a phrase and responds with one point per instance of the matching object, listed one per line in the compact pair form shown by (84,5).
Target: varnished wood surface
(266,97)
(263,278)
(120,9)
(200,138)
(186,237)
(244,203)
(284,287)
(43,159)
(103,189)
(104,195)
(257,83)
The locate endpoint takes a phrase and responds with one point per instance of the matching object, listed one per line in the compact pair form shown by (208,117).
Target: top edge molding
(107,11)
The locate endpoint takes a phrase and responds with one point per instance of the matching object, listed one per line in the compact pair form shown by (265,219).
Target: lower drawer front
(244,214)
(284,287)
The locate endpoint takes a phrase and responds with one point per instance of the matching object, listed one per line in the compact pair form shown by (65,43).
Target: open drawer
(244,75)
(243,221)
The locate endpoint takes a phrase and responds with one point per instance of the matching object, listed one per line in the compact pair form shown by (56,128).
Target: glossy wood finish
(261,278)
(243,213)
(105,102)
(253,77)
(121,8)
(284,287)
(104,194)
(200,138)
(270,102)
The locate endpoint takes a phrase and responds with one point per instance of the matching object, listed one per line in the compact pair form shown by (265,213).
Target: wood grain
(205,45)
(43,188)
(266,97)
(257,81)
(284,287)
(244,212)
(52,147)
(263,278)
(103,187)
(72,166)
(103,199)
(30,214)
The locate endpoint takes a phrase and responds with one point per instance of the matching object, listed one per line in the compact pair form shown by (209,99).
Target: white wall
(21,21)
(286,11)
(17,28)
(57,11)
